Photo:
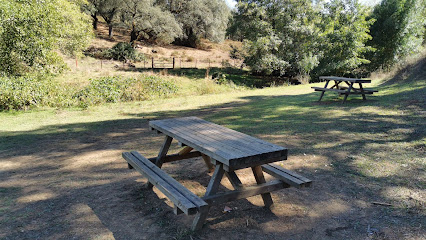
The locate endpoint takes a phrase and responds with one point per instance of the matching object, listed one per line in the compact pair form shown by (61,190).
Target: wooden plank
(246,192)
(185,150)
(344,79)
(218,137)
(328,89)
(348,91)
(212,188)
(200,135)
(258,175)
(180,188)
(163,152)
(237,140)
(215,180)
(234,179)
(177,157)
(208,162)
(290,177)
(244,140)
(216,145)
(188,141)
(163,185)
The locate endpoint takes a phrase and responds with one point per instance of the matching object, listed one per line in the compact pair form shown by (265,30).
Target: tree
(280,35)
(345,32)
(109,10)
(199,18)
(91,7)
(296,37)
(398,32)
(31,34)
(149,22)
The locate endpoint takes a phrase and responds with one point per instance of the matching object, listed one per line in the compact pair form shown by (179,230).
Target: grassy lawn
(357,154)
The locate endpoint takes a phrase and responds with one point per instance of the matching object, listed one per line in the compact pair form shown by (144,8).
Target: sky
(231,3)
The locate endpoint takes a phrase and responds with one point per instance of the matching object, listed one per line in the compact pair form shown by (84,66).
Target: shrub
(117,89)
(28,91)
(124,51)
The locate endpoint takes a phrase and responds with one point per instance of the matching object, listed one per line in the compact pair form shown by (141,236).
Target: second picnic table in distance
(346,90)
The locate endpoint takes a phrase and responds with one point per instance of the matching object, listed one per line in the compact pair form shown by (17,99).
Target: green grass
(370,150)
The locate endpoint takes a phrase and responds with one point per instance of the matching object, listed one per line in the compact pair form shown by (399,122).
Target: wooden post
(173,63)
(209,62)
(180,62)
(76,63)
(101,63)
(152,60)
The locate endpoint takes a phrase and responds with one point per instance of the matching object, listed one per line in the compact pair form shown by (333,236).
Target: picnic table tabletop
(344,79)
(233,149)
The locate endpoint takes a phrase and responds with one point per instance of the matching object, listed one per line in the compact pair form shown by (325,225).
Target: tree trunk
(110,30)
(133,34)
(95,21)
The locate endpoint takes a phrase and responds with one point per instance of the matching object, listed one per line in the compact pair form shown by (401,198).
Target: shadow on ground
(69,181)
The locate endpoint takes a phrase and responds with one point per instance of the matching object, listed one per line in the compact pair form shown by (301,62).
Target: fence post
(173,63)
(196,63)
(209,62)
(180,62)
(101,63)
(152,60)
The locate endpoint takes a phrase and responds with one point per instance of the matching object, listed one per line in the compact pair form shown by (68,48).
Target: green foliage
(149,22)
(296,37)
(31,33)
(398,32)
(345,31)
(124,51)
(27,91)
(117,89)
(200,18)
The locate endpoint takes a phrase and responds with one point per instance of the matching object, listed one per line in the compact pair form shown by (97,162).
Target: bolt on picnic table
(346,90)
(223,150)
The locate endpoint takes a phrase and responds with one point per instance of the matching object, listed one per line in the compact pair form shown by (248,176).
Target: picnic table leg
(234,179)
(163,152)
(208,162)
(212,188)
(362,91)
(260,178)
(322,93)
(347,92)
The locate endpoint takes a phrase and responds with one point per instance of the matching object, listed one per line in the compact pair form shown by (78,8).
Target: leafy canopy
(32,31)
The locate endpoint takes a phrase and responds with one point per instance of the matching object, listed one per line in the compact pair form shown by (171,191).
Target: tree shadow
(53,172)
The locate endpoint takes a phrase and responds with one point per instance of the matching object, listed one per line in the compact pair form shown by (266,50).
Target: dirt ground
(72,183)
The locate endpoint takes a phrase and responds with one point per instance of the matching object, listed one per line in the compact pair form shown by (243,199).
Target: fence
(163,63)
(179,63)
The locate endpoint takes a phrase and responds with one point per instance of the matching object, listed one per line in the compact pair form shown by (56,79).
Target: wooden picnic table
(223,150)
(348,88)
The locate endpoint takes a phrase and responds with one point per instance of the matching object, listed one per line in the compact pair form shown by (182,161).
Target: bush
(124,51)
(117,89)
(25,92)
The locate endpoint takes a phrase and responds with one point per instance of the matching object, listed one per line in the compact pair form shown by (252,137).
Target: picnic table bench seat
(328,89)
(289,177)
(185,200)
